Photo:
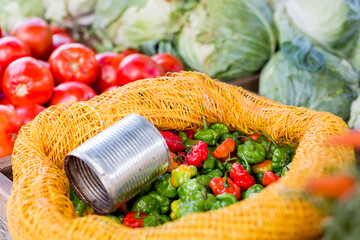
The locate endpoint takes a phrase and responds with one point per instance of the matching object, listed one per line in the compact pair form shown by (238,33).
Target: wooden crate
(250,83)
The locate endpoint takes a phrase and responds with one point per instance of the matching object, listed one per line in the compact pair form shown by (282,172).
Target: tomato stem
(21,90)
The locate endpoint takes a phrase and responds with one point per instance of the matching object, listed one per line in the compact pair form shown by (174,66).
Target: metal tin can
(113,166)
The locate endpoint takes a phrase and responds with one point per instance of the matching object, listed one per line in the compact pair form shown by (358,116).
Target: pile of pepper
(210,169)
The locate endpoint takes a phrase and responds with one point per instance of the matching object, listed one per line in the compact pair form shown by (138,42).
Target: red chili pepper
(254,136)
(269,177)
(134,219)
(223,150)
(189,133)
(241,177)
(173,141)
(198,154)
(217,186)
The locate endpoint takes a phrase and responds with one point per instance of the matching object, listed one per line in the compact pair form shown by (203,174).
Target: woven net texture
(39,206)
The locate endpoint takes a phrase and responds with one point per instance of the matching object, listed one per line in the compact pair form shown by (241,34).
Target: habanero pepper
(280,159)
(261,167)
(209,163)
(220,128)
(255,137)
(241,177)
(134,219)
(173,141)
(174,163)
(251,151)
(182,173)
(164,187)
(183,136)
(192,190)
(198,154)
(155,219)
(207,135)
(146,204)
(252,191)
(224,149)
(268,178)
(190,133)
(223,200)
(225,185)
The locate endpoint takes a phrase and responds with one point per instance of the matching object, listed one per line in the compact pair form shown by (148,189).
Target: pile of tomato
(42,65)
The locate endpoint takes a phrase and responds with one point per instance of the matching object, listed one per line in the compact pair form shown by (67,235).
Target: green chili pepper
(163,201)
(209,201)
(182,173)
(121,217)
(164,187)
(259,177)
(175,209)
(189,143)
(79,206)
(212,148)
(285,170)
(209,163)
(155,219)
(280,158)
(146,204)
(192,190)
(116,219)
(220,128)
(237,135)
(183,136)
(252,191)
(145,190)
(215,173)
(288,149)
(204,180)
(191,207)
(223,200)
(219,165)
(208,135)
(225,136)
(266,144)
(251,151)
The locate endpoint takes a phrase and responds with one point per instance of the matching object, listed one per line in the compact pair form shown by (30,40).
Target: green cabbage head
(132,23)
(331,89)
(328,23)
(228,38)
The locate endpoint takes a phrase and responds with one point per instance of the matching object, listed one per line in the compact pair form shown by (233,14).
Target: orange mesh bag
(40,208)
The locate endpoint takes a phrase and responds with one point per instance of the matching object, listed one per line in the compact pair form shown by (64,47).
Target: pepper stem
(226,184)
(137,215)
(272,140)
(204,122)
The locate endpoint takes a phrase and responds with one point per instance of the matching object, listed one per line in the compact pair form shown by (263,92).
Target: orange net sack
(40,208)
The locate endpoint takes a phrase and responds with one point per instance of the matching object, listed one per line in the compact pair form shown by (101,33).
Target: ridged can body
(113,166)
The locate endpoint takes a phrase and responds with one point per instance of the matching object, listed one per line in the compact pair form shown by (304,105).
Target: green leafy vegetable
(227,39)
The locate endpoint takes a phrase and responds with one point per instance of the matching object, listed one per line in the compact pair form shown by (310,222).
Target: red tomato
(26,81)
(169,62)
(74,62)
(109,63)
(46,64)
(71,91)
(128,52)
(36,33)
(137,66)
(59,39)
(5,101)
(11,49)
(57,29)
(9,127)
(28,113)
(110,88)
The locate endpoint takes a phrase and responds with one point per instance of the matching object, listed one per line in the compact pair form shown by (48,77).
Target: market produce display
(214,168)
(241,163)
(317,41)
(177,102)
